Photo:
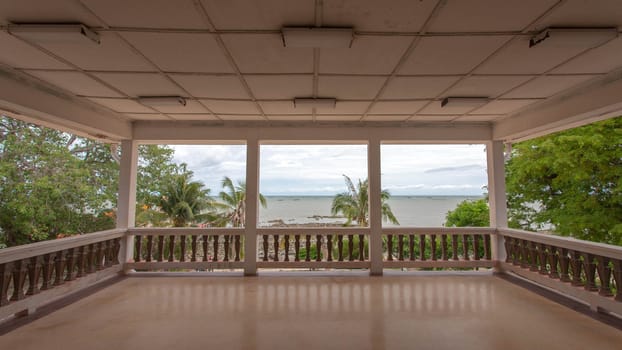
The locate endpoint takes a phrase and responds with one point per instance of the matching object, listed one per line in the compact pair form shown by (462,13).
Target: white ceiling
(227,58)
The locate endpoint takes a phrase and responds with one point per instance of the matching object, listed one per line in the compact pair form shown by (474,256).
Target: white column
(252,200)
(375,206)
(126,202)
(497,198)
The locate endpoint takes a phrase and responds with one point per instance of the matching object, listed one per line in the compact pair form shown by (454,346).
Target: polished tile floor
(321,312)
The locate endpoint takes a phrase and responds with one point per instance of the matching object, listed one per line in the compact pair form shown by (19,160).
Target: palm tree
(233,203)
(183,200)
(354,204)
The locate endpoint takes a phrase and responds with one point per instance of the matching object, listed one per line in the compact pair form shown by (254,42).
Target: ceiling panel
(519,58)
(260,15)
(503,106)
(282,107)
(212,86)
(241,117)
(488,15)
(76,82)
(598,60)
(122,105)
(111,55)
(480,118)
(350,87)
(181,52)
(180,14)
(368,55)
(485,86)
(417,87)
(146,116)
(433,118)
(280,86)
(190,107)
(264,53)
(584,13)
(141,84)
(547,86)
(386,118)
(231,106)
(57,11)
(372,15)
(435,108)
(338,118)
(294,117)
(19,54)
(450,54)
(346,107)
(396,107)
(192,116)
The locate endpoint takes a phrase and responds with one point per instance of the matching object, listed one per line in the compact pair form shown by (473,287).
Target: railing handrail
(51,246)
(186,231)
(437,230)
(313,231)
(601,249)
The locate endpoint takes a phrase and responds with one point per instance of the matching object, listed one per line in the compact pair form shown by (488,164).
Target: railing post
(126,205)
(252,199)
(497,198)
(375,206)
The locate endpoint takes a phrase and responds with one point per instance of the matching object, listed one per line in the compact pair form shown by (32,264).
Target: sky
(319,169)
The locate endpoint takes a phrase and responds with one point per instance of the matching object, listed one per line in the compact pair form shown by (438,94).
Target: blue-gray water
(409,210)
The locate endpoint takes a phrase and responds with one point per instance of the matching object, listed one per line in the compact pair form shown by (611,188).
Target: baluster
(34,271)
(411,247)
(101,252)
(265,246)
(20,268)
(433,247)
(617,277)
(286,244)
(318,247)
(237,247)
(205,243)
(71,265)
(276,247)
(226,248)
(193,246)
(487,251)
(149,248)
(543,258)
(454,247)
(564,264)
(518,252)
(48,269)
(329,250)
(533,256)
(59,268)
(81,262)
(575,265)
(390,247)
(590,272)
(509,249)
(138,248)
(6,272)
(308,247)
(117,249)
(400,247)
(340,247)
(171,248)
(465,247)
(215,248)
(296,247)
(422,247)
(361,247)
(476,247)
(109,253)
(182,248)
(91,258)
(604,274)
(553,260)
(525,254)
(160,248)
(350,247)
(444,247)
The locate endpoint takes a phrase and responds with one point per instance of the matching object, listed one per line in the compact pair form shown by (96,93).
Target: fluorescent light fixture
(54,33)
(468,102)
(573,37)
(317,37)
(323,103)
(162,101)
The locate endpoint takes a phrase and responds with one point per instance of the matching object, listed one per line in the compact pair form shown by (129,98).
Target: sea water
(409,210)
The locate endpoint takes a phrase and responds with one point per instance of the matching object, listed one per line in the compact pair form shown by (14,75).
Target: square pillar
(497,198)
(252,200)
(375,206)
(126,201)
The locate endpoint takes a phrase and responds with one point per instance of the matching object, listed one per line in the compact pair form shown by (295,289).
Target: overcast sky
(317,170)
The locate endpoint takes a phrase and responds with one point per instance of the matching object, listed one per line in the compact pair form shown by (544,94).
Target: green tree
(469,213)
(354,204)
(570,182)
(184,200)
(232,205)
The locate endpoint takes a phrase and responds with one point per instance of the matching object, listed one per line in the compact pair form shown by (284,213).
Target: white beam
(26,99)
(126,202)
(497,200)
(375,205)
(591,102)
(200,132)
(252,201)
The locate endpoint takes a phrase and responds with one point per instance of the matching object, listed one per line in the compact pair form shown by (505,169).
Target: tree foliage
(354,204)
(231,209)
(469,213)
(570,181)
(184,201)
